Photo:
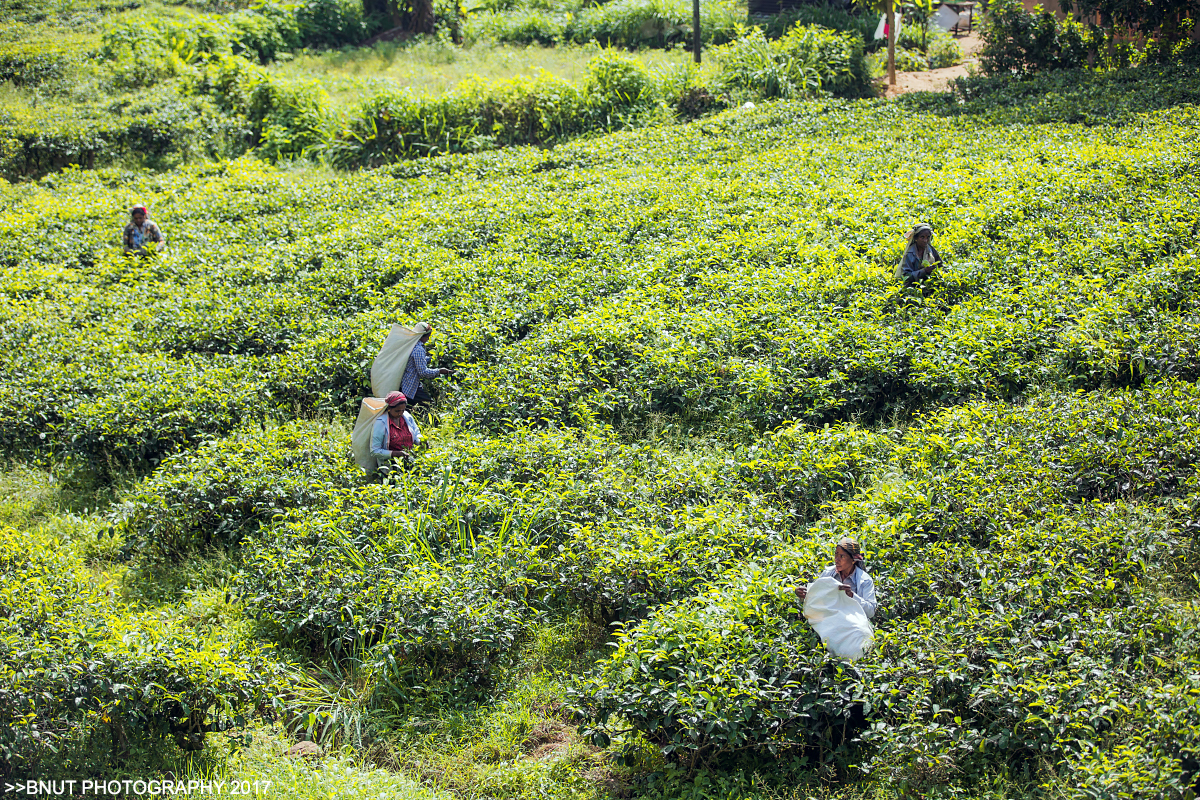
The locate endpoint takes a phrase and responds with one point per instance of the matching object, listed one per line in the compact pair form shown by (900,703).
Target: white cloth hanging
(883,24)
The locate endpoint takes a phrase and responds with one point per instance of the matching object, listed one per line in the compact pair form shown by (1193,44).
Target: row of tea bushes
(90,684)
(539,523)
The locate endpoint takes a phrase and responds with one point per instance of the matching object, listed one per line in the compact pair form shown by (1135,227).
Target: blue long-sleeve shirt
(416,369)
(912,264)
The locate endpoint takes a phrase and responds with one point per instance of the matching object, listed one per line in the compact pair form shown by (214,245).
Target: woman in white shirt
(849,571)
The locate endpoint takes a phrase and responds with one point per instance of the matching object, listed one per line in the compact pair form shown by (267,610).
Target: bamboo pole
(696,30)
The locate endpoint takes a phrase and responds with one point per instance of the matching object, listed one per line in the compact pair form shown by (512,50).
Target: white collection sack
(946,18)
(360,440)
(388,367)
(838,619)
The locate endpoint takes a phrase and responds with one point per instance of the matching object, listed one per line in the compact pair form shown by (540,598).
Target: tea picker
(920,258)
(140,232)
(839,603)
(417,367)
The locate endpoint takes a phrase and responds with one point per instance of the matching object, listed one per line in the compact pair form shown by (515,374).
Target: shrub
(735,667)
(474,116)
(86,681)
(265,33)
(943,51)
(1018,42)
(281,120)
(331,23)
(654,23)
(618,86)
(684,89)
(906,61)
(226,490)
(522,26)
(32,63)
(802,63)
(824,16)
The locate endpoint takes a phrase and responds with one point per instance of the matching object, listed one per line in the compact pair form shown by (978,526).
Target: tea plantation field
(681,372)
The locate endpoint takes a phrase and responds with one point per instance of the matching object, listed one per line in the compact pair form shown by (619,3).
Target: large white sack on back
(388,367)
(360,440)
(838,619)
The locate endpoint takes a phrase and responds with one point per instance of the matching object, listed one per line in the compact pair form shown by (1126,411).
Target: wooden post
(696,30)
(891,41)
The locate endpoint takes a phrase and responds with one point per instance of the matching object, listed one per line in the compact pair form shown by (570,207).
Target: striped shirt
(417,368)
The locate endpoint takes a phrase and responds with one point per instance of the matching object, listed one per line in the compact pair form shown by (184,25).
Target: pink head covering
(395,399)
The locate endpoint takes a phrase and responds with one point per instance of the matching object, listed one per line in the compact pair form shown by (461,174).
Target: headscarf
(853,549)
(920,226)
(395,398)
(140,208)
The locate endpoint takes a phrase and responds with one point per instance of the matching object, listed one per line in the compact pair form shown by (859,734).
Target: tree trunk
(891,41)
(422,16)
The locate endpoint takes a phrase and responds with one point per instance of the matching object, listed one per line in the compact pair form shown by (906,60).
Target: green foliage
(655,23)
(1073,97)
(228,489)
(943,51)
(86,683)
(332,23)
(618,86)
(1017,41)
(684,89)
(152,128)
(282,120)
(802,63)
(522,26)
(906,61)
(681,371)
(394,125)
(30,63)
(826,16)
(996,611)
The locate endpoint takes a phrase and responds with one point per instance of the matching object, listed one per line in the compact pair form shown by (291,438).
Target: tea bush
(733,667)
(31,63)
(1018,41)
(225,490)
(86,682)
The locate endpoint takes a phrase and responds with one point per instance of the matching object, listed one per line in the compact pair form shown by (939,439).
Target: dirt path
(935,80)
